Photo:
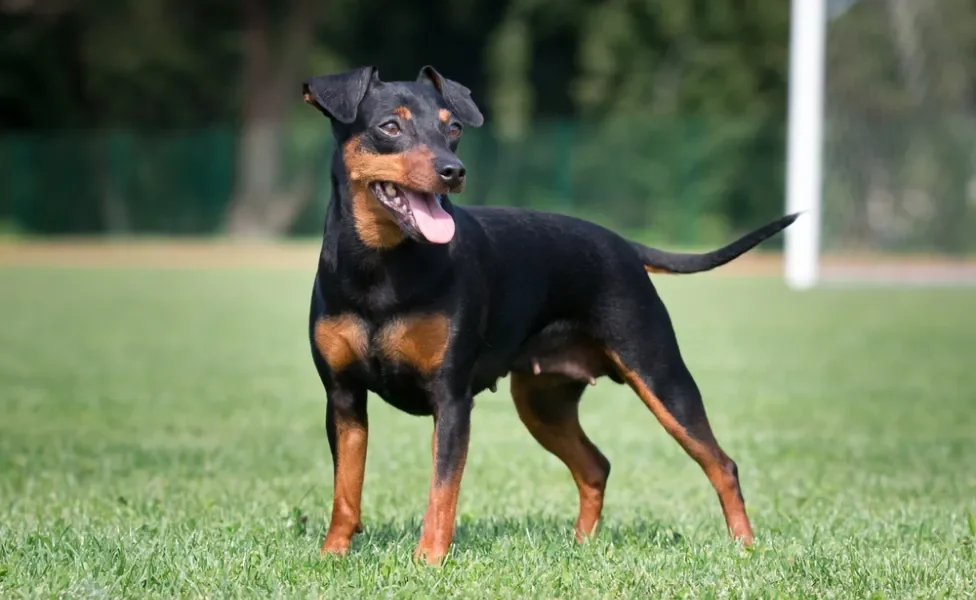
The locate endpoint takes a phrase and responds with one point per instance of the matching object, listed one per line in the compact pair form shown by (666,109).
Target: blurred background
(161,428)
(664,119)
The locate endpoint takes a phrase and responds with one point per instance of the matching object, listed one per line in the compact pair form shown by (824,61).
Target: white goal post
(804,159)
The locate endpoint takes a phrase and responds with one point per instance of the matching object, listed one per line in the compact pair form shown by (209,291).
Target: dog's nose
(451,172)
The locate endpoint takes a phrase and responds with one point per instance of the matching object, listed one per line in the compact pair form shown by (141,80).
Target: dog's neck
(375,280)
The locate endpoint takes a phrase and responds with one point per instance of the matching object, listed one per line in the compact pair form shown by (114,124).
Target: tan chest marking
(341,340)
(419,341)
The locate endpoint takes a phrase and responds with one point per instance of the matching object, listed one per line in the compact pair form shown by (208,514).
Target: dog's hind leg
(548,406)
(652,366)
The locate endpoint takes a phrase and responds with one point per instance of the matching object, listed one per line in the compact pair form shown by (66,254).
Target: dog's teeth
(390,190)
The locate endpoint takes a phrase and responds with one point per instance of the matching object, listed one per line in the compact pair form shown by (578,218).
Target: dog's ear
(338,96)
(457,96)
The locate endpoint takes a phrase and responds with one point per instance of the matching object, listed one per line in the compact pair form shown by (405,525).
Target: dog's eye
(391,128)
(454,130)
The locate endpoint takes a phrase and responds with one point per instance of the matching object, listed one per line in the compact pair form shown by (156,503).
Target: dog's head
(398,142)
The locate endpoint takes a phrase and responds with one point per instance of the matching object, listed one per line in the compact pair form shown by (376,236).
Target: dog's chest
(413,343)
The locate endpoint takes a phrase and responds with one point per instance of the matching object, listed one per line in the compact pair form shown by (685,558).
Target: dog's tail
(659,261)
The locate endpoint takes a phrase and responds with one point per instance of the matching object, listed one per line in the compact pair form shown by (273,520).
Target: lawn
(161,435)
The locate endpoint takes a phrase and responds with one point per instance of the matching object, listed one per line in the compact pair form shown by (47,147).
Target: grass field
(161,436)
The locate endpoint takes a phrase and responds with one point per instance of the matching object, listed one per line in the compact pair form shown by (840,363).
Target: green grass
(161,435)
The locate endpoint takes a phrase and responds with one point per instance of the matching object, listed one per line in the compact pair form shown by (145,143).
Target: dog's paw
(430,555)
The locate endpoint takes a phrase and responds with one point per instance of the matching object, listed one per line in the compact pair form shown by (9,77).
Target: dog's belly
(408,398)
(400,387)
(560,349)
(487,372)
(405,390)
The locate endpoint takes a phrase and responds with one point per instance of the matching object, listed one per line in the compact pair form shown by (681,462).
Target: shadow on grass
(481,535)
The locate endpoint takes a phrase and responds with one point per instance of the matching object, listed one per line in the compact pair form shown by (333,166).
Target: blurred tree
(276,40)
(640,112)
(153,63)
(937,57)
(97,66)
(901,98)
(711,78)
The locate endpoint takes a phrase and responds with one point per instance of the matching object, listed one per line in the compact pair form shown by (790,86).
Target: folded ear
(339,95)
(457,96)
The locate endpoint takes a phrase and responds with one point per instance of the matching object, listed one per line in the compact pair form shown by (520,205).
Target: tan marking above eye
(402,112)
(444,115)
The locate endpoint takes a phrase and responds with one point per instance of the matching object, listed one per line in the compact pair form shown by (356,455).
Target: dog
(427,304)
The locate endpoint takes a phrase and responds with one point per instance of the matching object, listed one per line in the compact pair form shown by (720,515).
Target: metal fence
(688,182)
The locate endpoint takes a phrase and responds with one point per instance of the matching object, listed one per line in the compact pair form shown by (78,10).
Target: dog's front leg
(346,426)
(452,429)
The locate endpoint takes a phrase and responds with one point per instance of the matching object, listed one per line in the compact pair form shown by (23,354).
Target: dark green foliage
(660,117)
(660,105)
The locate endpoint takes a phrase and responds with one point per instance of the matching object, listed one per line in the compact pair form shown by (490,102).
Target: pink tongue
(432,220)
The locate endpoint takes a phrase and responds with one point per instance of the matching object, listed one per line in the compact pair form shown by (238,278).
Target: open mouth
(418,213)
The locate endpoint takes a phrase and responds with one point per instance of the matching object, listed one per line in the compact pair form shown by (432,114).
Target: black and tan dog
(427,304)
